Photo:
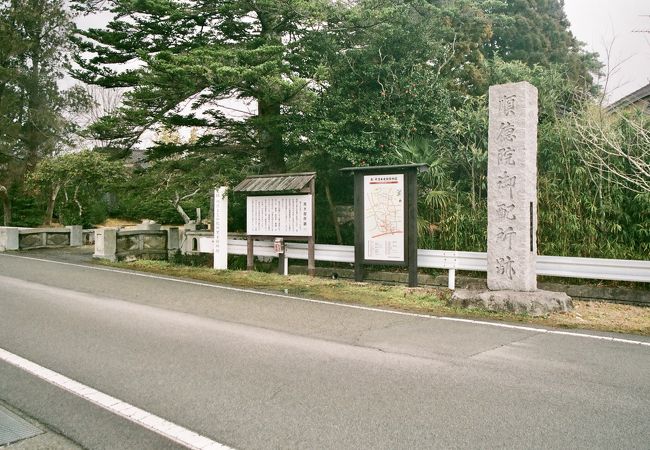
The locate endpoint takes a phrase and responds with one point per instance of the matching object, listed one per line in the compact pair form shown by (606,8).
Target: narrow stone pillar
(173,241)
(76,236)
(220,228)
(106,243)
(512,187)
(9,239)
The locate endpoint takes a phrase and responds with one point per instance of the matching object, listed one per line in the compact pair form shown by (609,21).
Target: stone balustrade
(194,242)
(18,238)
(123,244)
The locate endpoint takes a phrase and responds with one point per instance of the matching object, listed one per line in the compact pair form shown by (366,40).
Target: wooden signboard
(281,206)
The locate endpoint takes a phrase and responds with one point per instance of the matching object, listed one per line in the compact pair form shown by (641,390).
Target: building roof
(289,182)
(630,99)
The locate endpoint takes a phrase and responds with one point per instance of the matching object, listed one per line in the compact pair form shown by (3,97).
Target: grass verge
(424,300)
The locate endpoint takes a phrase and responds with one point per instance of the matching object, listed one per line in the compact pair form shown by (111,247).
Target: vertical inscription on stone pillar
(220,228)
(512,187)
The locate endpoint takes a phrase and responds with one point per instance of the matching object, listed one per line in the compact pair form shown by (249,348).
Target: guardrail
(556,266)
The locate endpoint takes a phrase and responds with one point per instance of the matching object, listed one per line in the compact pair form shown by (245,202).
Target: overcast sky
(604,24)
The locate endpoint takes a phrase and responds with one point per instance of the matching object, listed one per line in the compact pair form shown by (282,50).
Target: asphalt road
(254,371)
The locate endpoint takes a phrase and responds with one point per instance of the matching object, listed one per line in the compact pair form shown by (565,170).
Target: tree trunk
(76,200)
(269,103)
(330,202)
(6,205)
(182,212)
(31,135)
(271,137)
(51,201)
(176,203)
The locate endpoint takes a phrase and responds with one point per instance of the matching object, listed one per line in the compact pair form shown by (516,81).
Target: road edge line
(158,425)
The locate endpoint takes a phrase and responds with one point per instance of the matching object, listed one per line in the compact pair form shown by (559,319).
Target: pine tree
(185,58)
(33,39)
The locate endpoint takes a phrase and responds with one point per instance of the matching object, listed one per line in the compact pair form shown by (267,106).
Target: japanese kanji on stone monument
(512,187)
(512,209)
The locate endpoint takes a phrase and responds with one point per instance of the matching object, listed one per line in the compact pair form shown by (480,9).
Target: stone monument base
(535,303)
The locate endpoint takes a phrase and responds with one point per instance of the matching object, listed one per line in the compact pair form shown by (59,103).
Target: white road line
(176,433)
(343,305)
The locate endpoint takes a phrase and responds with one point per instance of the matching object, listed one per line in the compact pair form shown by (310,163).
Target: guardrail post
(451,282)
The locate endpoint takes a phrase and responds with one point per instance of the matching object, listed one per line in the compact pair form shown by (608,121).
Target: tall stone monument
(220,228)
(512,209)
(512,187)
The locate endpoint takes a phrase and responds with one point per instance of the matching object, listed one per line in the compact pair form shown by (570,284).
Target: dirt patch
(115,223)
(606,317)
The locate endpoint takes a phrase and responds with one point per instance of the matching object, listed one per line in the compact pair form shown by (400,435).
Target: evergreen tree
(189,56)
(538,32)
(33,40)
(72,185)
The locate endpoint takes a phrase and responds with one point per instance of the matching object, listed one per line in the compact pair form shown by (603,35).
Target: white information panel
(279,215)
(383,214)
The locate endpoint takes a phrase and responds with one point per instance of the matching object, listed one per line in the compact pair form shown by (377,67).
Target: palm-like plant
(435,186)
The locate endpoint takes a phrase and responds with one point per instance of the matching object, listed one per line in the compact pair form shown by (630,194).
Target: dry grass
(586,315)
(606,317)
(114,223)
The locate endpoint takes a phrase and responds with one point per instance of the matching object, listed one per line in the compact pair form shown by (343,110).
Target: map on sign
(383,214)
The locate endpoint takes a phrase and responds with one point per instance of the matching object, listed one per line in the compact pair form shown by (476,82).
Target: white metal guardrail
(595,268)
(556,266)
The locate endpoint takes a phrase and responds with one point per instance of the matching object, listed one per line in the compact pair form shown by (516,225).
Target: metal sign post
(278,248)
(385,217)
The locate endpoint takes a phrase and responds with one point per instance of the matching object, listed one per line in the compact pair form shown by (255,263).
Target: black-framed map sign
(385,216)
